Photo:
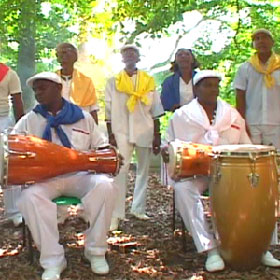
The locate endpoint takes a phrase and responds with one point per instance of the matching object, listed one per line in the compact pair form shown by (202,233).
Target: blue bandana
(69,114)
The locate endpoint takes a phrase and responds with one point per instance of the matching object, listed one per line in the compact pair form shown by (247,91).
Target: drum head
(243,150)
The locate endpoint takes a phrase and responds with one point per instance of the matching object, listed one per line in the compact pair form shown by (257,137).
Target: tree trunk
(27,49)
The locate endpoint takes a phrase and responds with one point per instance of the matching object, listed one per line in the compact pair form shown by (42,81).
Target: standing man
(257,85)
(205,120)
(77,87)
(132,111)
(65,124)
(10,88)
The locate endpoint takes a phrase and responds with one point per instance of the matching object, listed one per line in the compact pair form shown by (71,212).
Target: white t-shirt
(8,86)
(186,92)
(262,103)
(137,126)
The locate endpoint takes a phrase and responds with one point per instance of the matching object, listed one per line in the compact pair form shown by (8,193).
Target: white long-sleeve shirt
(190,123)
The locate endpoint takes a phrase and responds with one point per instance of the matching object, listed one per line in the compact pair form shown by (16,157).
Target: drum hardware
(187,160)
(95,159)
(217,173)
(253,177)
(178,162)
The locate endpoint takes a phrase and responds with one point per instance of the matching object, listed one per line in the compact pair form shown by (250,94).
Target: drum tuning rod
(102,159)
(22,154)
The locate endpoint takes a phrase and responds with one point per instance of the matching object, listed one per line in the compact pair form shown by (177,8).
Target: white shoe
(214,262)
(114,224)
(54,272)
(269,260)
(140,216)
(16,219)
(98,264)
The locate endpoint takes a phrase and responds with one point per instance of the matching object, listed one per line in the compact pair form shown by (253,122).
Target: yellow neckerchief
(272,65)
(144,84)
(82,89)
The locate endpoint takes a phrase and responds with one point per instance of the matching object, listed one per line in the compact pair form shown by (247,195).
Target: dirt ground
(144,250)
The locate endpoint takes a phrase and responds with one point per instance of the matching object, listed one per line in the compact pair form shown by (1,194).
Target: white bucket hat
(44,76)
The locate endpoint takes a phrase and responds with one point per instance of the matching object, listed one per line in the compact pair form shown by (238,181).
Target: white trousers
(190,207)
(142,172)
(12,193)
(265,135)
(97,194)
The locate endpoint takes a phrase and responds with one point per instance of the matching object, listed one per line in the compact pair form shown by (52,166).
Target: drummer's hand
(112,140)
(165,154)
(121,160)
(156,143)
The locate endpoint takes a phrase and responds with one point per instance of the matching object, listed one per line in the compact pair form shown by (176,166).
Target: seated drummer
(205,120)
(65,124)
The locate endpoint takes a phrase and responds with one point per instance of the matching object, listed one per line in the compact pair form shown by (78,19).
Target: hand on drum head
(112,140)
(165,154)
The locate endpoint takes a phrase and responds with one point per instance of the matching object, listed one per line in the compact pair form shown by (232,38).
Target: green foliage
(29,33)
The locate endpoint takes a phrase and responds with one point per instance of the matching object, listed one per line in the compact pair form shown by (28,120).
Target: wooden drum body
(28,159)
(188,159)
(244,198)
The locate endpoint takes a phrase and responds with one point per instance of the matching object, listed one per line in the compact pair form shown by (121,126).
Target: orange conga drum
(187,159)
(26,159)
(244,194)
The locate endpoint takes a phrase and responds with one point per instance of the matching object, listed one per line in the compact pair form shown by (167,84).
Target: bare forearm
(17,106)
(94,116)
(241,102)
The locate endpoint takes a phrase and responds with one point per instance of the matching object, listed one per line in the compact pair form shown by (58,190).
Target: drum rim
(244,154)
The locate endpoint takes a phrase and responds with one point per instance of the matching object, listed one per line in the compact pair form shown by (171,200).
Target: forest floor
(140,250)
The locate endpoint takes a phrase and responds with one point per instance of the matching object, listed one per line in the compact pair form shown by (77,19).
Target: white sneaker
(16,219)
(114,224)
(139,215)
(214,262)
(98,264)
(269,260)
(54,272)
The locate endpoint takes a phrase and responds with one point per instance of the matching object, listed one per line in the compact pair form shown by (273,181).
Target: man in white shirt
(10,88)
(63,123)
(132,111)
(257,85)
(205,120)
(77,87)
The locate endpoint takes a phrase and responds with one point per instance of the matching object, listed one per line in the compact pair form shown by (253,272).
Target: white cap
(262,30)
(44,76)
(125,47)
(205,74)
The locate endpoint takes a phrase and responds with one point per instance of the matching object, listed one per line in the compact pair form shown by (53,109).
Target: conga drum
(26,159)
(188,159)
(243,195)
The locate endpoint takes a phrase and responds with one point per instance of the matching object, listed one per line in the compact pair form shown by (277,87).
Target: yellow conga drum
(244,196)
